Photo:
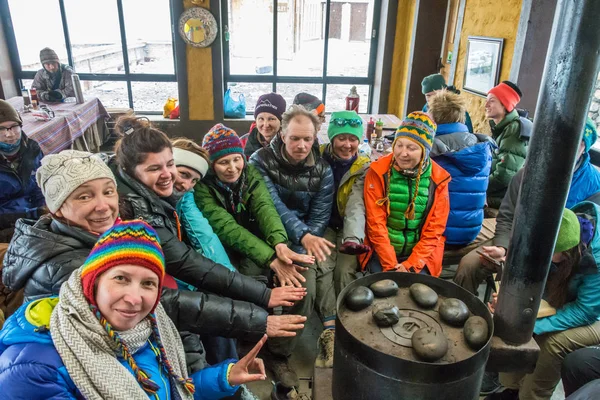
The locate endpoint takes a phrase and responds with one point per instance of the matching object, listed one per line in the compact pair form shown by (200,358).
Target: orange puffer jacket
(429,251)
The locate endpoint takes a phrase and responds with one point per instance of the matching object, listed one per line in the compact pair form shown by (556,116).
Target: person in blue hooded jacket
(572,289)
(20,157)
(468,158)
(586,178)
(107,336)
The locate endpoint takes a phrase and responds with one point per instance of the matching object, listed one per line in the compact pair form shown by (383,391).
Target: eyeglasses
(14,129)
(354,122)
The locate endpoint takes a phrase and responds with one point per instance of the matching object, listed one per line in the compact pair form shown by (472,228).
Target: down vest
(182,261)
(303,194)
(43,254)
(467,158)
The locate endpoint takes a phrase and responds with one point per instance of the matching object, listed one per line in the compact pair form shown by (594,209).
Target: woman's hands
(288,256)
(288,274)
(285,296)
(242,371)
(284,325)
(317,246)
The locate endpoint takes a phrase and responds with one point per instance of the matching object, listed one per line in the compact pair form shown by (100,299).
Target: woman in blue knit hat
(267,123)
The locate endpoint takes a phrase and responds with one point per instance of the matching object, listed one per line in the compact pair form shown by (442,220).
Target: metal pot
(362,371)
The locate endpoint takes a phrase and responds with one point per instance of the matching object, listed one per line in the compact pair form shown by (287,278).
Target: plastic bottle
(370,127)
(379,128)
(26,98)
(34,99)
(352,100)
(365,149)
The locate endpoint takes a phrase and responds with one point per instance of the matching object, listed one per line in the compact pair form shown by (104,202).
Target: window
(323,47)
(92,37)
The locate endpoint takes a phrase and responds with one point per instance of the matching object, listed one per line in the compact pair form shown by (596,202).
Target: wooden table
(71,122)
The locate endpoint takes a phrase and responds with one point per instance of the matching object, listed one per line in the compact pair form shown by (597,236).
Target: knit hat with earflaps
(48,55)
(569,233)
(345,122)
(221,141)
(419,128)
(126,243)
(9,113)
(432,83)
(130,243)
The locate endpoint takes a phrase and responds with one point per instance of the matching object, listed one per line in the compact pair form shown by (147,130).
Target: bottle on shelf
(379,128)
(352,100)
(365,148)
(370,127)
(34,99)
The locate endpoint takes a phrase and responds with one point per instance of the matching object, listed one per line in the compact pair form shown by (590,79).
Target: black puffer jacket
(303,193)
(182,261)
(44,253)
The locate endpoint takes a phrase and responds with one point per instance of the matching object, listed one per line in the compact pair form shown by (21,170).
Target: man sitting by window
(53,82)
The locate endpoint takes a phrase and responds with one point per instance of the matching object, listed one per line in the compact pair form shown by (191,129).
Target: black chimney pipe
(569,76)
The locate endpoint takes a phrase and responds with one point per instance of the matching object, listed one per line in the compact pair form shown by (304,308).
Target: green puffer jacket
(255,229)
(404,234)
(508,158)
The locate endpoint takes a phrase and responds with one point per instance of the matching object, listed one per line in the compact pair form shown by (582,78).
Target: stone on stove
(386,314)
(454,312)
(476,332)
(429,344)
(359,298)
(384,288)
(423,295)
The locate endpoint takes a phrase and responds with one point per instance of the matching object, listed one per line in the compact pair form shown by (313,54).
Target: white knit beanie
(60,174)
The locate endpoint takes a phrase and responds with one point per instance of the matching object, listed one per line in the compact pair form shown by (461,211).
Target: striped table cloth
(70,122)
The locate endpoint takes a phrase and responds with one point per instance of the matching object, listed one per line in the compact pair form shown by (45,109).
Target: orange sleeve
(430,248)
(376,225)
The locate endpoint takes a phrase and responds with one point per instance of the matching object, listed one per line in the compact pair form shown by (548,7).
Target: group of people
(139,272)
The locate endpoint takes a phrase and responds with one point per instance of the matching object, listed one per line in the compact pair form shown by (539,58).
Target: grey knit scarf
(89,354)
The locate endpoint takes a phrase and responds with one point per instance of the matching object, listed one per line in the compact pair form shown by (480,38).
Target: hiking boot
(325,357)
(506,394)
(490,383)
(282,370)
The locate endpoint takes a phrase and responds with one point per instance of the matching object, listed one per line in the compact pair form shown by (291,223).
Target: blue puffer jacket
(200,233)
(303,193)
(31,368)
(584,307)
(468,158)
(585,182)
(20,196)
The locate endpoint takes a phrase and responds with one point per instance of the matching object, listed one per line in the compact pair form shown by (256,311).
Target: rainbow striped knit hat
(221,141)
(127,242)
(420,128)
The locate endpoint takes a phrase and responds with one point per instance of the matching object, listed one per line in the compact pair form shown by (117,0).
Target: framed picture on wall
(482,66)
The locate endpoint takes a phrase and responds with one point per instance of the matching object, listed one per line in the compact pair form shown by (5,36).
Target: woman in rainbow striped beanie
(407,205)
(107,336)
